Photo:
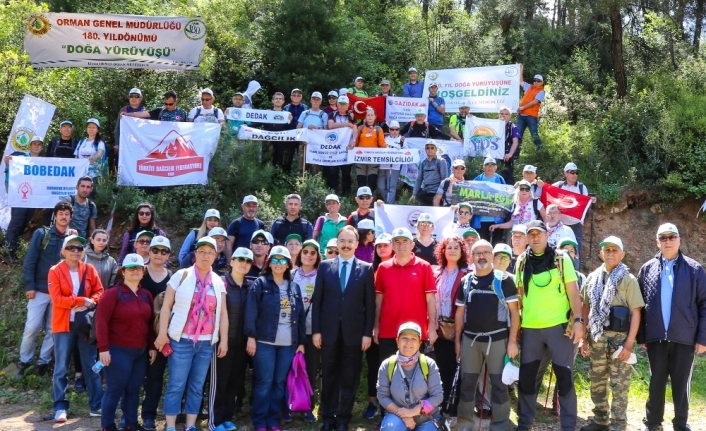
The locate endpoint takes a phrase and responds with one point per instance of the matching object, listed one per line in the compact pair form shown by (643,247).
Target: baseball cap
(333,93)
(471,232)
(520,228)
(394,124)
(148,233)
(66,122)
(343,100)
(296,90)
(239,94)
(524,183)
(433,84)
(132,260)
(667,228)
(402,232)
(264,234)
(206,240)
(611,240)
(280,250)
(212,213)
(161,241)
(292,236)
(37,138)
(384,238)
(464,104)
(332,197)
(333,242)
(502,248)
(490,161)
(364,191)
(420,111)
(207,91)
(312,243)
(409,326)
(94,121)
(536,225)
(342,91)
(385,81)
(366,224)
(530,168)
(540,77)
(218,231)
(430,142)
(568,241)
(412,69)
(316,94)
(243,252)
(571,166)
(135,91)
(465,205)
(70,238)
(249,198)
(359,78)
(458,162)
(425,217)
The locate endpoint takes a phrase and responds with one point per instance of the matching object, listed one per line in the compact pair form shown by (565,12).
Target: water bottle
(97,367)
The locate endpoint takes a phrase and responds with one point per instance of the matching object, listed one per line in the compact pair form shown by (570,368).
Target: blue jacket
(413,90)
(296,111)
(35,269)
(262,311)
(475,220)
(687,324)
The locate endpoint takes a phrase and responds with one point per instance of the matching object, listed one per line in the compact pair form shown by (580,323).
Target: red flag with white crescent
(359,104)
(573,206)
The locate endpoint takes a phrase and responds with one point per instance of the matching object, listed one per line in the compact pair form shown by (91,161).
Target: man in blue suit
(343,312)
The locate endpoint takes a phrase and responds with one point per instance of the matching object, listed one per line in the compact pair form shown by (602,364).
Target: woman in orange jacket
(370,135)
(75,288)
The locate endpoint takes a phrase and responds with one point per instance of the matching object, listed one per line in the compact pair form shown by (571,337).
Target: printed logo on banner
(25,189)
(21,138)
(279,117)
(412,218)
(433,76)
(331,138)
(172,157)
(38,25)
(236,114)
(195,29)
(484,140)
(511,71)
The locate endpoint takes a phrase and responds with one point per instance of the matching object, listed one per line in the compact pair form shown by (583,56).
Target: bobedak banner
(402,109)
(165,153)
(258,115)
(40,182)
(487,89)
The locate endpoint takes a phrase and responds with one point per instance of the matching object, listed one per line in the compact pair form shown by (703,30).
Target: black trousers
(283,155)
(332,179)
(446,361)
(154,382)
(341,365)
(676,362)
(230,381)
(372,358)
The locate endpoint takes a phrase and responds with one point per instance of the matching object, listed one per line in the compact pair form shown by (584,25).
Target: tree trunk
(698,23)
(616,43)
(425,8)
(469,6)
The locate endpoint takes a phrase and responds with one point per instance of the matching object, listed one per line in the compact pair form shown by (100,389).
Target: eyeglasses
(135,96)
(667,238)
(331,251)
(537,80)
(243,259)
(169,104)
(74,248)
(364,197)
(259,242)
(144,241)
(464,213)
(572,172)
(482,253)
(144,213)
(524,189)
(162,251)
(395,129)
(206,100)
(309,252)
(135,269)
(459,168)
(281,261)
(425,223)
(502,257)
(205,253)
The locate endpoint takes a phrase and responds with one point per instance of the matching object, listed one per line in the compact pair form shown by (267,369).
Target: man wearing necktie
(343,311)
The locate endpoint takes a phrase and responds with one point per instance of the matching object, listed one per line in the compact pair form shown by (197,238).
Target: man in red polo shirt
(405,292)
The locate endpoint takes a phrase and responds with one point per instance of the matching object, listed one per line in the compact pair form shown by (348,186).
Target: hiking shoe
(220,428)
(110,427)
(94,413)
(593,426)
(149,425)
(191,428)
(42,369)
(60,416)
(21,369)
(309,417)
(79,384)
(371,411)
(229,426)
(134,427)
(287,417)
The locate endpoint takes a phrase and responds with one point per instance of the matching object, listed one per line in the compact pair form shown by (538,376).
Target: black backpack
(198,112)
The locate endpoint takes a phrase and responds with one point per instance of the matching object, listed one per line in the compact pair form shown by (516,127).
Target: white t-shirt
(85,150)
(77,285)
(396,144)
(524,214)
(206,115)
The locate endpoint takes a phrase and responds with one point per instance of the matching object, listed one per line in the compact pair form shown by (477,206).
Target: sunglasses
(464,213)
(162,251)
(394,129)
(144,213)
(524,189)
(309,252)
(259,242)
(331,251)
(425,223)
(74,248)
(537,80)
(332,97)
(169,104)
(275,261)
(364,197)
(243,259)
(135,96)
(144,241)
(662,238)
(459,168)
(135,269)
(573,172)
(206,100)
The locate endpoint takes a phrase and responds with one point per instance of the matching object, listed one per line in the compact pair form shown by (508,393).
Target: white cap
(342,91)
(511,373)
(571,166)
(94,121)
(394,123)
(66,122)
(132,260)
(160,241)
(667,228)
(433,84)
(420,111)
(430,142)
(402,232)
(530,168)
(280,250)
(384,238)
(295,90)
(260,232)
(206,240)
(148,233)
(359,78)
(464,104)
(37,138)
(316,94)
(333,242)
(540,77)
(218,231)
(364,191)
(613,240)
(243,252)
(343,100)
(412,69)
(410,326)
(135,91)
(524,183)
(425,217)
(519,228)
(212,213)
(70,238)
(207,91)
(332,93)
(366,224)
(458,162)
(502,248)
(249,198)
(490,160)
(332,197)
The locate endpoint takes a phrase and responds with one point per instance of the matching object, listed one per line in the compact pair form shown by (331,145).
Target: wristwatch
(580,320)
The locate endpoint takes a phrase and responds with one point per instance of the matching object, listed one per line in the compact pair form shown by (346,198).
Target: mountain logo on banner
(173,156)
(331,138)
(484,139)
(279,117)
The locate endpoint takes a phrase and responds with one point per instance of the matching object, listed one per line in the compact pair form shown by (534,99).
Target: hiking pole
(546,399)
(613,344)
(454,387)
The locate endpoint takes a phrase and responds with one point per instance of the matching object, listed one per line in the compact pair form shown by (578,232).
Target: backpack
(578,183)
(90,205)
(497,289)
(423,364)
(193,246)
(45,238)
(356,218)
(426,132)
(460,124)
(361,127)
(321,116)
(236,226)
(198,112)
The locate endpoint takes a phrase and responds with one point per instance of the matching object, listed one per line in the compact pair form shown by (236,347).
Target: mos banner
(486,198)
(126,41)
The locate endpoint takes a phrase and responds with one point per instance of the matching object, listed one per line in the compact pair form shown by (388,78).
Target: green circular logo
(195,29)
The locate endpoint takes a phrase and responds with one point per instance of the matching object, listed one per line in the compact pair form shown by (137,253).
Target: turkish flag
(359,104)
(573,206)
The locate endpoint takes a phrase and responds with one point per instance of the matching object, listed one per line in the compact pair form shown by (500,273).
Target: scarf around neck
(403,360)
(200,313)
(601,296)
